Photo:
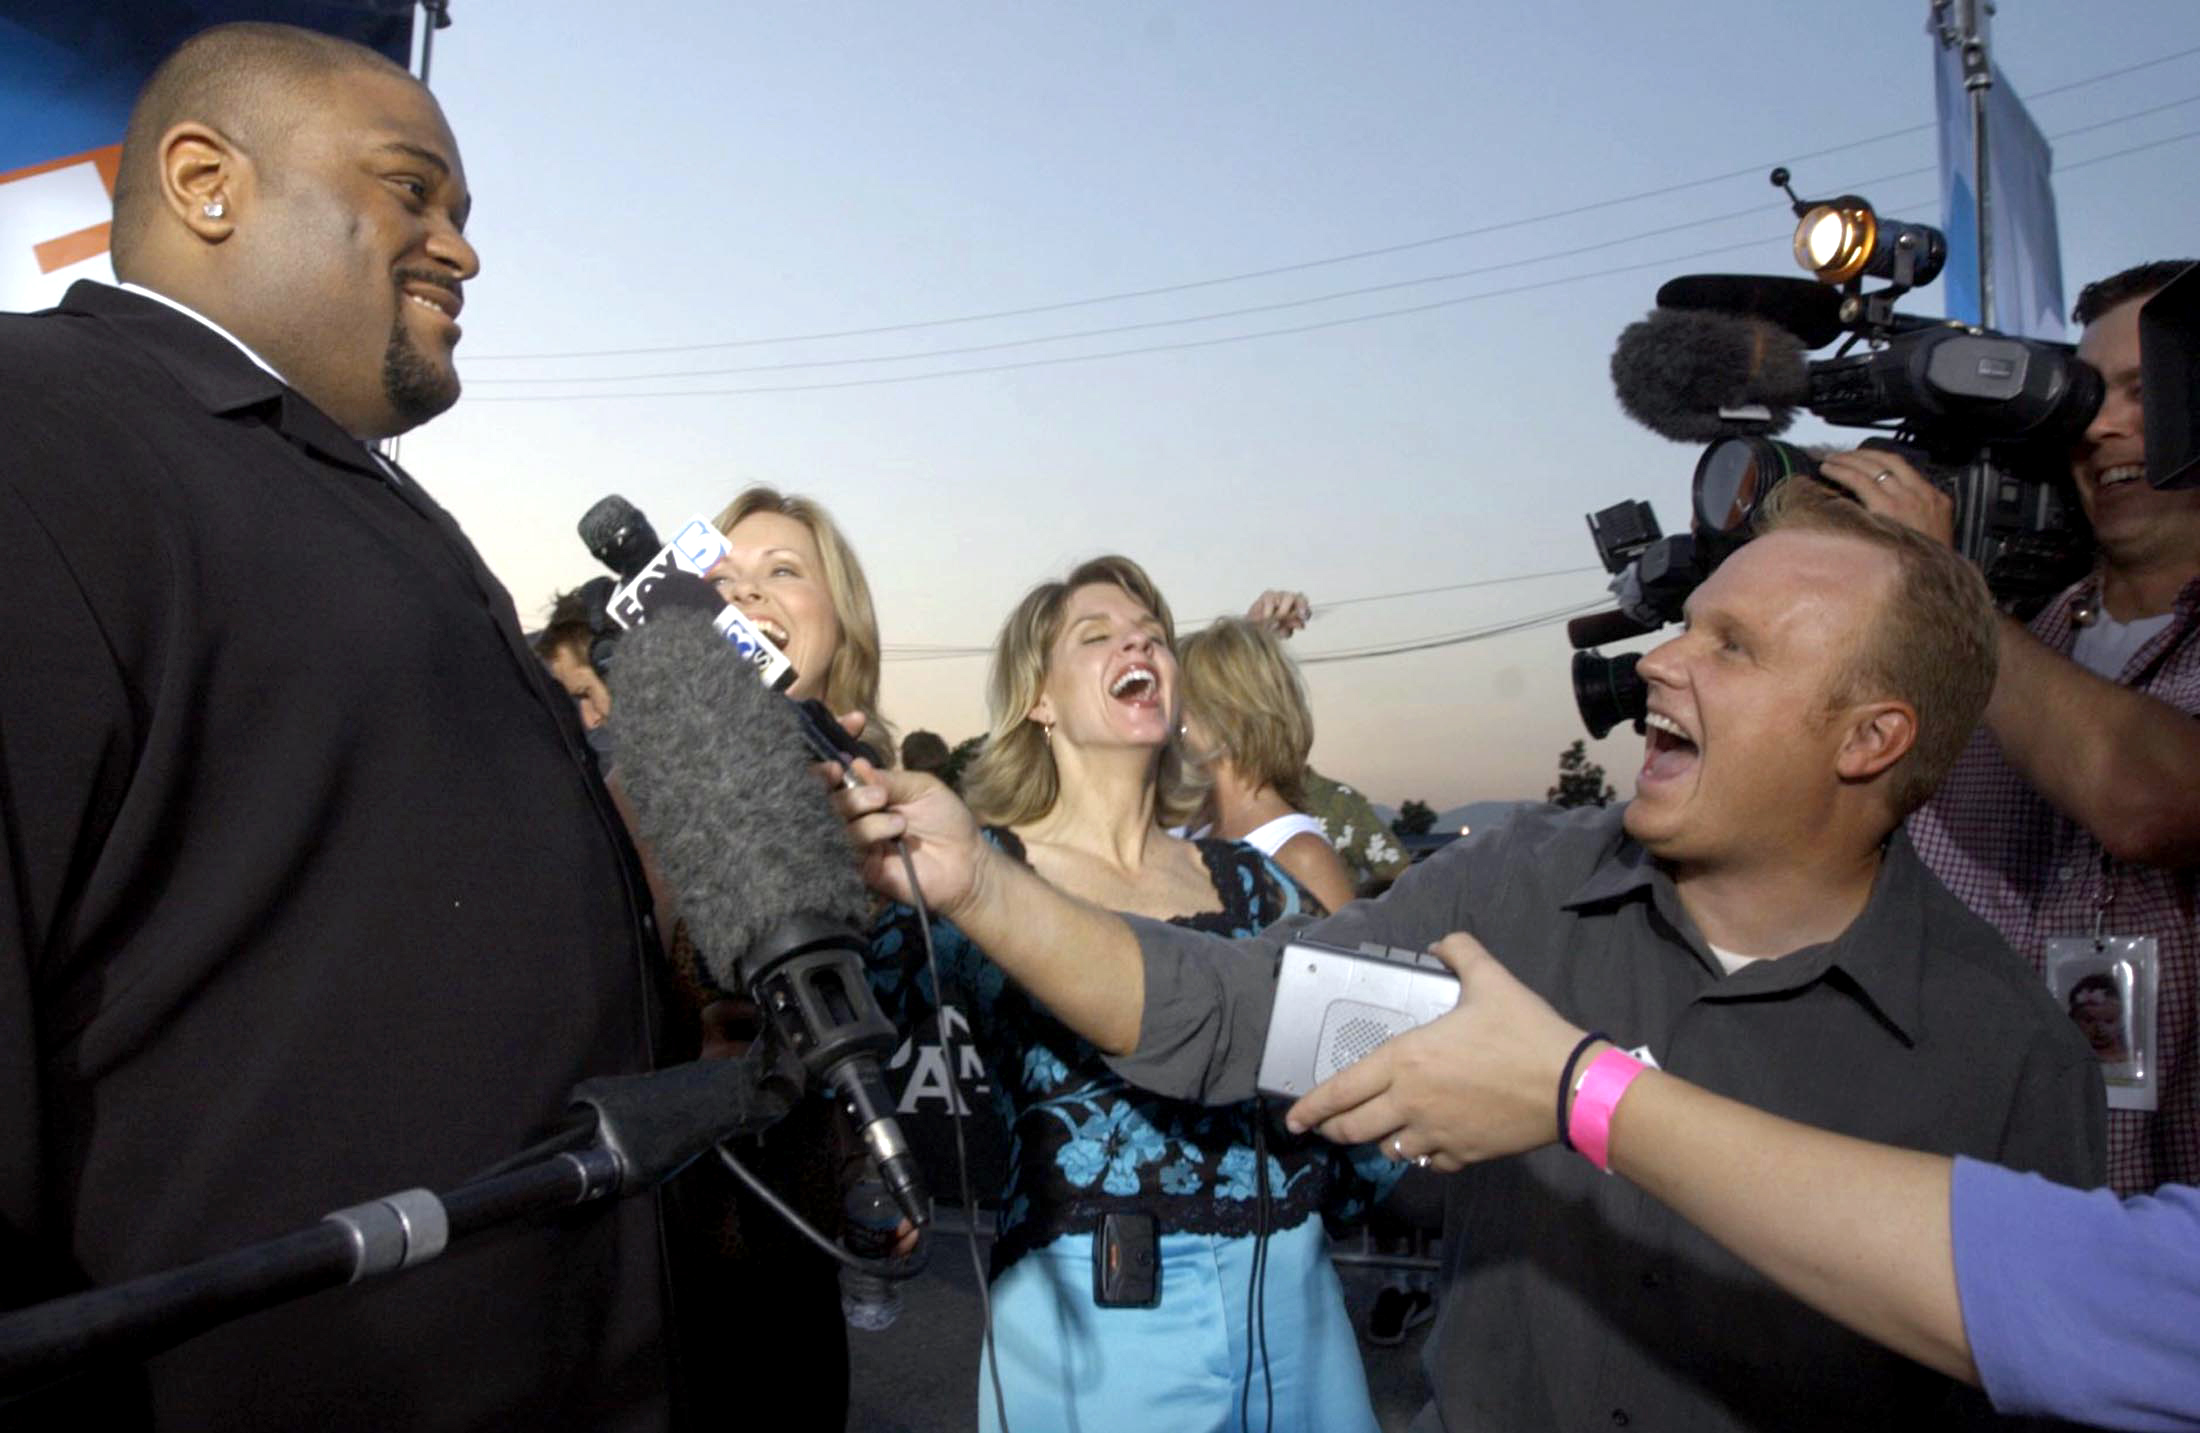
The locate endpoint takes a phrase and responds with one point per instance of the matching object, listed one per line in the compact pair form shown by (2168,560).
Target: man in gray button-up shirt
(1754,918)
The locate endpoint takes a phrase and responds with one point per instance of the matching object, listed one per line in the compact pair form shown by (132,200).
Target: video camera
(1987,417)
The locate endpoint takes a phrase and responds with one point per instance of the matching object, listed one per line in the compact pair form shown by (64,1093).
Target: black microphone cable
(957,1118)
(908,1266)
(959,1114)
(1256,1292)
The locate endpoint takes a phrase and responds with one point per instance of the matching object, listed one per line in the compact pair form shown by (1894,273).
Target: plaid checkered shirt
(2035,874)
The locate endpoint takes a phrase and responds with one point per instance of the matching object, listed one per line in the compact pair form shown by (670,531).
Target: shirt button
(1652,1279)
(1619,1418)
(2068,873)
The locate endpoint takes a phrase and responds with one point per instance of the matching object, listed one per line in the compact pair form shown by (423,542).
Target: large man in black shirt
(308,890)
(1754,918)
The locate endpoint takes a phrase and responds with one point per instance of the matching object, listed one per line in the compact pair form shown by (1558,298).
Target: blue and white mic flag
(2028,293)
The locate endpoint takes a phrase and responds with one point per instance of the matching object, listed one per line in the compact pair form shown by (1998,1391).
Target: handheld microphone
(673,575)
(618,536)
(714,765)
(685,592)
(1694,375)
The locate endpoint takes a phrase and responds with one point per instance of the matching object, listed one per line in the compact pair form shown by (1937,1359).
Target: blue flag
(2028,294)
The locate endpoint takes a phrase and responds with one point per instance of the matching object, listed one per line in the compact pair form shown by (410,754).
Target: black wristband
(1566,1081)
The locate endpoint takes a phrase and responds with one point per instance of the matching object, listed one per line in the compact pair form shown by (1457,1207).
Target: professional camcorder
(1988,418)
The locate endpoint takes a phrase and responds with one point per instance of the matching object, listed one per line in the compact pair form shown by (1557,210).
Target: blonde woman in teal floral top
(1079,779)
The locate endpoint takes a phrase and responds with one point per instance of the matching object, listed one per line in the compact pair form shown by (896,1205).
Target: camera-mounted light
(1835,239)
(1840,241)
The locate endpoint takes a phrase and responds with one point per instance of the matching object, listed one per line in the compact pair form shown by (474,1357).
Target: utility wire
(1300,267)
(1431,591)
(1228,338)
(1415,644)
(1752,211)
(929,651)
(1451,639)
(2131,149)
(1703,221)
(1755,244)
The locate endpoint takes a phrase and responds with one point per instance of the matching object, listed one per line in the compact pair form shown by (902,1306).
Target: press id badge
(2108,984)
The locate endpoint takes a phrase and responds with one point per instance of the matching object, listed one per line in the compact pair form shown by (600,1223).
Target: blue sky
(690,174)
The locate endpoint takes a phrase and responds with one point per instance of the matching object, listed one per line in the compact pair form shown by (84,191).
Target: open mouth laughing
(1668,749)
(1136,685)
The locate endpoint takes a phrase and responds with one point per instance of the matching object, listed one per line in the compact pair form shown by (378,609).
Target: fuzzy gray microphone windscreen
(1675,370)
(717,774)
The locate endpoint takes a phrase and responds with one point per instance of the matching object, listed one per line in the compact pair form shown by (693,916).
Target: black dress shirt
(308,893)
(1573,1300)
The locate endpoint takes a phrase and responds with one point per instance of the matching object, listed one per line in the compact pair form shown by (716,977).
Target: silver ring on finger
(1397,1150)
(1882,475)
(1422,1161)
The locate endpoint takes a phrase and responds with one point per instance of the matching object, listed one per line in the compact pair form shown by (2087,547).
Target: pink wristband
(1589,1123)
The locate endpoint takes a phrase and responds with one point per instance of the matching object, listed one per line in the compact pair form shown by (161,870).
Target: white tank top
(1270,838)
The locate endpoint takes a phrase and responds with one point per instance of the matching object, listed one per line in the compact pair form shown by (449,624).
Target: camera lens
(1734,475)
(1607,692)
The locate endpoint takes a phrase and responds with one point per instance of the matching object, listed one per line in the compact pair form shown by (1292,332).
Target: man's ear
(1876,736)
(203,179)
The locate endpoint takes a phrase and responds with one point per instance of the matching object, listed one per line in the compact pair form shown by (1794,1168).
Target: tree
(1580,780)
(1414,819)
(958,760)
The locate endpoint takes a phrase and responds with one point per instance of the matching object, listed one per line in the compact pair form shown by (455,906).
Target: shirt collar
(216,369)
(1881,953)
(183,308)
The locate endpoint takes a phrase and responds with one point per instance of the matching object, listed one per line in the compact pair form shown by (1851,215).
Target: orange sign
(53,216)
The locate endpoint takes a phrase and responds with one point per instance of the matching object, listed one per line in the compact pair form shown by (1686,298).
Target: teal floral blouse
(1083,1142)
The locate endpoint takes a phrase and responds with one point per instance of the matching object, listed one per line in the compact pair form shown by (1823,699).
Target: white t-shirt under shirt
(1729,961)
(2107,646)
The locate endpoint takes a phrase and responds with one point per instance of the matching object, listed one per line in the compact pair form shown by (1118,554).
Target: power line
(2131,149)
(1210,317)
(1452,639)
(2116,119)
(1448,587)
(1755,244)
(933,651)
(1303,265)
(1703,221)
(1362,654)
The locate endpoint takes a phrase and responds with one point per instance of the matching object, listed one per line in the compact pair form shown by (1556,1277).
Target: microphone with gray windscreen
(716,769)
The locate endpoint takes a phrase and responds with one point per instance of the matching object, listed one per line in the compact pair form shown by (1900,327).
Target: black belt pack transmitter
(1126,1262)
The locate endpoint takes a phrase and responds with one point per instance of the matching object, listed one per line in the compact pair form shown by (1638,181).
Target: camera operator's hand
(1886,484)
(1280,612)
(1475,1084)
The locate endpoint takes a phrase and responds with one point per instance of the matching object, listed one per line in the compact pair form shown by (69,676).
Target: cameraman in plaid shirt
(2075,812)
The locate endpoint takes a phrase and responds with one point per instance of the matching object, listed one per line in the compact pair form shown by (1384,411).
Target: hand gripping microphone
(716,769)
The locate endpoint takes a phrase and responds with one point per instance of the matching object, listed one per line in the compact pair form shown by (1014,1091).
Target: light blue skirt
(1068,1366)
